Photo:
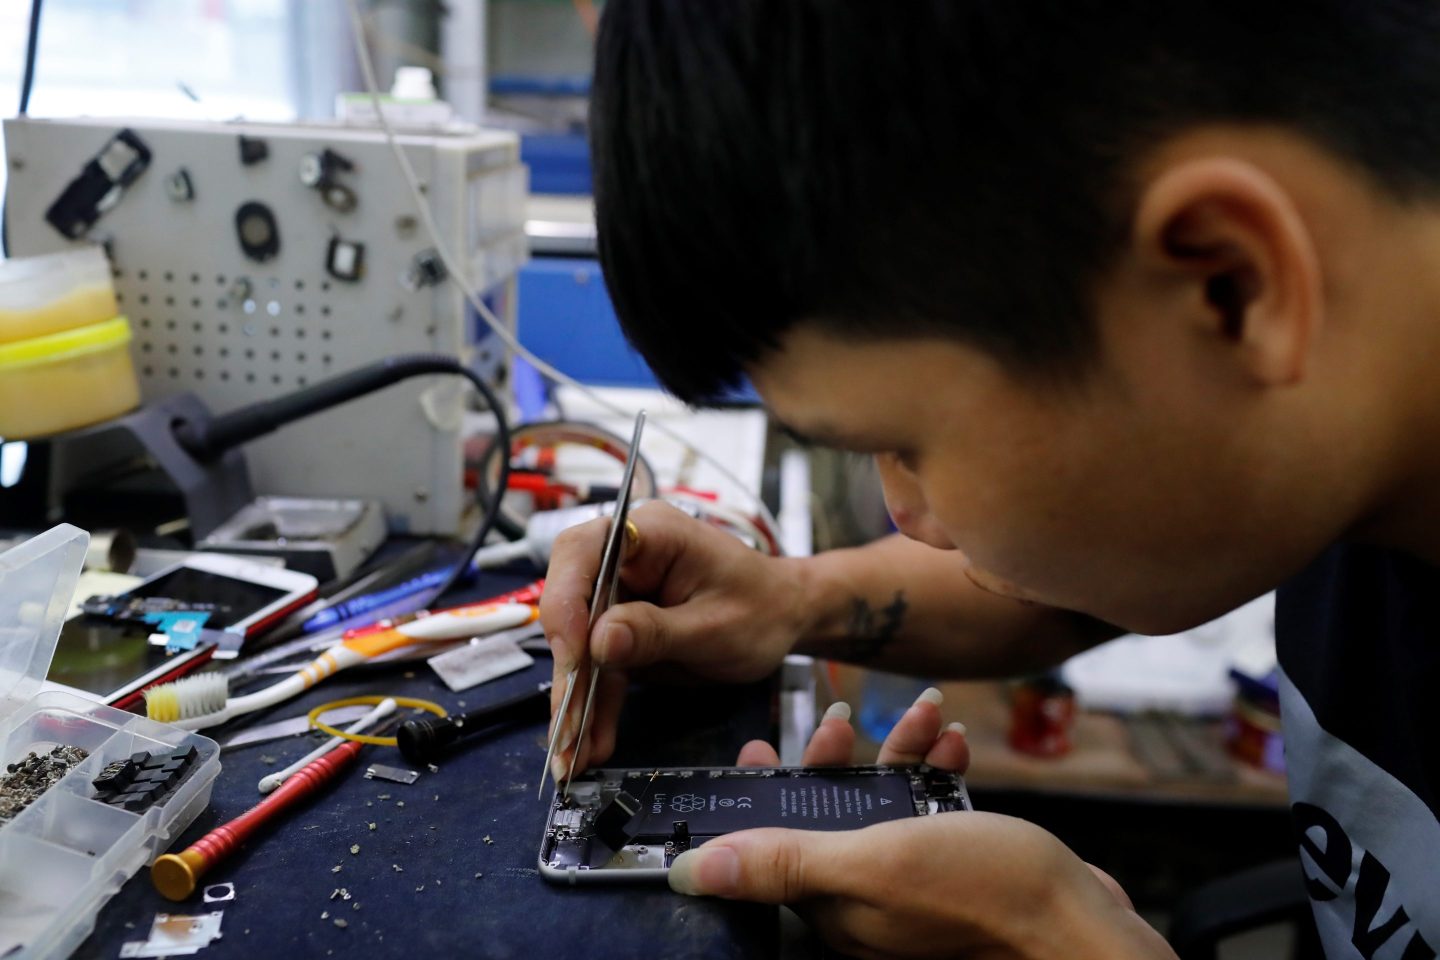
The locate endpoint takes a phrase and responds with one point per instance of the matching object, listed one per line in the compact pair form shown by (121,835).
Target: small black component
(179,186)
(678,841)
(116,776)
(318,168)
(144,788)
(258,232)
(611,822)
(320,171)
(100,185)
(144,779)
(425,270)
(253,150)
(345,260)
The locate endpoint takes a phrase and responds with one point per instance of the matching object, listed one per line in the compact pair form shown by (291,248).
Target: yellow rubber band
(325,708)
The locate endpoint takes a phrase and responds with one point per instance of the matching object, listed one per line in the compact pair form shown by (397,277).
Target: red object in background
(545,494)
(1042,713)
(1252,732)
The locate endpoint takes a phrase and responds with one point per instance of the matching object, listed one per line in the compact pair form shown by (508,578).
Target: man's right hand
(693,598)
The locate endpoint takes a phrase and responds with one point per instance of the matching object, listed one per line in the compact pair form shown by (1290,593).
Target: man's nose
(907,505)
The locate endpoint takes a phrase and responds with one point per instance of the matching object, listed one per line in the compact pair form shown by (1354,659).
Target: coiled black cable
(209,439)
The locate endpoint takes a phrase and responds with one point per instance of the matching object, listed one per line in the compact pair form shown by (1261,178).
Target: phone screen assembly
(108,650)
(629,825)
(115,660)
(236,595)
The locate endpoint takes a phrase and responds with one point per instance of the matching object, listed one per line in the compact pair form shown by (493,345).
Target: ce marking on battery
(739,803)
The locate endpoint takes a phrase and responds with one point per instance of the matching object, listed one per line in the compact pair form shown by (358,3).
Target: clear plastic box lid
(37,580)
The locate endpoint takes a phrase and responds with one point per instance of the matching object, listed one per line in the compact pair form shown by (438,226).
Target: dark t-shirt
(1358,636)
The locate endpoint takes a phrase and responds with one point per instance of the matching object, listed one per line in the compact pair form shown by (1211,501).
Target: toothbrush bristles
(187,698)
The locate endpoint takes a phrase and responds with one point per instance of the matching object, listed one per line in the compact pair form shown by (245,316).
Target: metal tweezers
(607,584)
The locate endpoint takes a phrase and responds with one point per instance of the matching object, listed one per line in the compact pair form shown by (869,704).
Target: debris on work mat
(219,892)
(354,849)
(25,780)
(381,771)
(174,935)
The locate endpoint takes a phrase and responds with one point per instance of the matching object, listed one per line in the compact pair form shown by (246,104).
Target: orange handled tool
(176,874)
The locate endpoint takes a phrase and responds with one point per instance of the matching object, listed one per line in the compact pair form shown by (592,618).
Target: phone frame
(573,876)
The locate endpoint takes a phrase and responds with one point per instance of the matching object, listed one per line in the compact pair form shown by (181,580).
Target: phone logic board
(619,825)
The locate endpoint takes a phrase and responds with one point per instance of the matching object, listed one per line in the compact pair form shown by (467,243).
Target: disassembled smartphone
(629,825)
(238,595)
(107,650)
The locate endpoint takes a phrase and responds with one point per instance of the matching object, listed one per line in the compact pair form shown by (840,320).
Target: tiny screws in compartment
(26,779)
(143,779)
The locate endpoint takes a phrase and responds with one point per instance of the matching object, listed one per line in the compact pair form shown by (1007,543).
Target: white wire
(461,276)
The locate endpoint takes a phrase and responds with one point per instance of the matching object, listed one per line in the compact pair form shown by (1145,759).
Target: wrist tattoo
(868,632)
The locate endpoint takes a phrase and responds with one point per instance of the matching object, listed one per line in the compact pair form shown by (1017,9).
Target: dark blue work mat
(449,868)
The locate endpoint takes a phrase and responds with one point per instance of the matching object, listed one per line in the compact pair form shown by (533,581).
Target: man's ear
(1230,231)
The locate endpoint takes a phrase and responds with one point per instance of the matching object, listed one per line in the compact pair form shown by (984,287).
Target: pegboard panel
(210,319)
(192,328)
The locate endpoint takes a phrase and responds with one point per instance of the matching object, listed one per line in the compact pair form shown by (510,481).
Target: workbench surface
(449,867)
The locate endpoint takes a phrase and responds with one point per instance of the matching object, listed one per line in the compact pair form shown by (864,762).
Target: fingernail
(708,871)
(958,727)
(558,769)
(567,737)
(616,644)
(839,710)
(931,695)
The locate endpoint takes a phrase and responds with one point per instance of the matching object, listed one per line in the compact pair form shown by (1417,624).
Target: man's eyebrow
(820,436)
(803,439)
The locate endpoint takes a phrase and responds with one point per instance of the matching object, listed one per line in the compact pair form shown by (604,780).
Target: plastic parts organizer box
(64,353)
(67,853)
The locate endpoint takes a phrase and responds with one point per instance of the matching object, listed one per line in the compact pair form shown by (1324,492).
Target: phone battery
(815,801)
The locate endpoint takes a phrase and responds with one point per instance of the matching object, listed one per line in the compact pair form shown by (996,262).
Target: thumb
(765,866)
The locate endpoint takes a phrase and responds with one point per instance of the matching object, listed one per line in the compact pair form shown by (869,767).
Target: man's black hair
(947,168)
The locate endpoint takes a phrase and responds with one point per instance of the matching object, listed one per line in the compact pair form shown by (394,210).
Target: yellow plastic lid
(66,344)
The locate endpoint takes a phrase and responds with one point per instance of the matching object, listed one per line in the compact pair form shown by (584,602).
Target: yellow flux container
(65,380)
(58,291)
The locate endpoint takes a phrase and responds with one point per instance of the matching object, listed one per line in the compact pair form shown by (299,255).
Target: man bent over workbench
(1137,307)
